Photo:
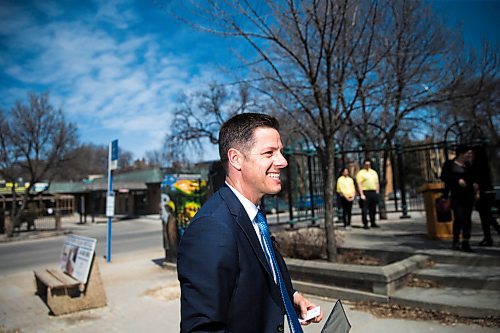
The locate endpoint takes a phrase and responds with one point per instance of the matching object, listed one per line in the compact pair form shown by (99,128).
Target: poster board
(76,256)
(182,196)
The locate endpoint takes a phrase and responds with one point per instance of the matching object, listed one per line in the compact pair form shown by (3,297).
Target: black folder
(337,321)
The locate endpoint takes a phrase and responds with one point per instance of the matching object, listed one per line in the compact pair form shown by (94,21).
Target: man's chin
(274,190)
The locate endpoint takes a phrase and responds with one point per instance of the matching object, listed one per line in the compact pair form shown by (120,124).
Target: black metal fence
(407,168)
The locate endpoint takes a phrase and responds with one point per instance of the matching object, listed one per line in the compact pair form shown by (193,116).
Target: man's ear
(235,157)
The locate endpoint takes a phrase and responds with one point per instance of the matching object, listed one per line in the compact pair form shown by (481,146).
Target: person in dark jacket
(229,282)
(485,197)
(459,185)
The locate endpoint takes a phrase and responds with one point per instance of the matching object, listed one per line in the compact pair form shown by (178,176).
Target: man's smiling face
(262,163)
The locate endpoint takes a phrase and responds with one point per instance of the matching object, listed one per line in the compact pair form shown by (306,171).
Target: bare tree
(331,66)
(302,55)
(156,158)
(85,159)
(199,117)
(415,52)
(126,161)
(35,139)
(477,91)
(92,159)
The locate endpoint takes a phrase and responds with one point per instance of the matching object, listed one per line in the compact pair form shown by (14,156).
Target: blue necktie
(293,320)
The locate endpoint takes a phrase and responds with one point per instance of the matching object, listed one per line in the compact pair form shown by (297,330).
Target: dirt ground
(384,310)
(359,258)
(4,330)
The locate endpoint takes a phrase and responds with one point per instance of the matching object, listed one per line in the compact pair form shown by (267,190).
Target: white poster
(110,204)
(76,256)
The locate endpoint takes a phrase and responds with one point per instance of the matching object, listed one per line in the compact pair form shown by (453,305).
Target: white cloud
(116,12)
(123,82)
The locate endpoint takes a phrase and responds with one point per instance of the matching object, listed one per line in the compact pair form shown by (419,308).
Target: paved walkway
(143,294)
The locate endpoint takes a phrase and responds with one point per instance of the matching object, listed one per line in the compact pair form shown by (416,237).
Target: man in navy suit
(227,284)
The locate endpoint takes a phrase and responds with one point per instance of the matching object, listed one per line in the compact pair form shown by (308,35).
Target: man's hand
(302,304)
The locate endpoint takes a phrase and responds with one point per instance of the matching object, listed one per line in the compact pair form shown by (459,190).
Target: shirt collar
(250,208)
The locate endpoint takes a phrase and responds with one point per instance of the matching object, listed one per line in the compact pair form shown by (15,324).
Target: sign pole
(110,197)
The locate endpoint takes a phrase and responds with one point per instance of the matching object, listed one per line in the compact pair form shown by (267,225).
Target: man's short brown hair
(237,132)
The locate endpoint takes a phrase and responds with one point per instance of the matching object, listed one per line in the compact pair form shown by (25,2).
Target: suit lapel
(241,217)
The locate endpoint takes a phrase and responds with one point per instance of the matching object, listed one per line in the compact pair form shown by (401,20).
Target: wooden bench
(63,293)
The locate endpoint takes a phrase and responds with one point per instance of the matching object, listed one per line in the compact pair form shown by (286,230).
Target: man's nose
(280,160)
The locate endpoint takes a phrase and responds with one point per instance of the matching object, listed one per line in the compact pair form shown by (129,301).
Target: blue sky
(116,68)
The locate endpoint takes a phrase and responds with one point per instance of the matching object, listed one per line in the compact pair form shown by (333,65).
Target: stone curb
(456,276)
(382,280)
(337,292)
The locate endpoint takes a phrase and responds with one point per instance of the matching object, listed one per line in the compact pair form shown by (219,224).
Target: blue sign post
(110,197)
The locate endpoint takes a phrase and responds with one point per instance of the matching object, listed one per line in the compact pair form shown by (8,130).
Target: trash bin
(435,229)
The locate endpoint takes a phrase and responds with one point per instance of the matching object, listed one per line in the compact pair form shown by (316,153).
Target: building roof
(67,187)
(146,176)
(134,180)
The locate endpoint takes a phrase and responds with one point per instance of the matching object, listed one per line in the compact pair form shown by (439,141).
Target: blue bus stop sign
(114,150)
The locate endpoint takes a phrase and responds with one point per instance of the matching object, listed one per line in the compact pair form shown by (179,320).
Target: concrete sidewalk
(143,293)
(465,284)
(143,296)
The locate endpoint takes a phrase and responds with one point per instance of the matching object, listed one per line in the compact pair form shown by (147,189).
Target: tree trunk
(331,244)
(10,219)
(9,226)
(58,214)
(382,210)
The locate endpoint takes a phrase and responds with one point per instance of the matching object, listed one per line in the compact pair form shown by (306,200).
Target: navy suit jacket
(226,282)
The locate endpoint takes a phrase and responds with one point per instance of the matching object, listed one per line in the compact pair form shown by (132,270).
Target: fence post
(404,207)
(288,155)
(335,196)
(311,186)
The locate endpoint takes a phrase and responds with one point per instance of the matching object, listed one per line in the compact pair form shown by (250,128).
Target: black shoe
(455,246)
(486,242)
(466,247)
(366,226)
(375,225)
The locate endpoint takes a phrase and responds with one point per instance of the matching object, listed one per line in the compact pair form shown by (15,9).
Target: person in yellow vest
(368,187)
(347,193)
